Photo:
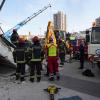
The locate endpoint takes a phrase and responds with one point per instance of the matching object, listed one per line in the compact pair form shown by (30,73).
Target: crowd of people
(33,53)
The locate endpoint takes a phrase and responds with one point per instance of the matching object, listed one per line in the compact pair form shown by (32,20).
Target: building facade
(59,21)
(97,20)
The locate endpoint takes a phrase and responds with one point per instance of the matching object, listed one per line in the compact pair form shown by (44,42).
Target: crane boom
(2,3)
(8,34)
(34,15)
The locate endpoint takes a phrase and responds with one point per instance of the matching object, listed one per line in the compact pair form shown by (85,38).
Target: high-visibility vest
(52,49)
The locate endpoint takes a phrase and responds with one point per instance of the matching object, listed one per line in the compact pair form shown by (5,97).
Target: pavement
(72,84)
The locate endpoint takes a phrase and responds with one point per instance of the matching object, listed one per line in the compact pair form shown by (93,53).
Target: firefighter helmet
(21,40)
(35,39)
(14,30)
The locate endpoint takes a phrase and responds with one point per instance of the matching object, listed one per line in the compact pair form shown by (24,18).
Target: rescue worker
(19,58)
(14,37)
(52,58)
(62,52)
(67,47)
(35,62)
(70,51)
(81,51)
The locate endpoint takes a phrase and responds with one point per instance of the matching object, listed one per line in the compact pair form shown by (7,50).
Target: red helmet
(35,39)
(21,40)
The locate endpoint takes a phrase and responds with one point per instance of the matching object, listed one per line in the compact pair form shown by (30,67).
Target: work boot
(58,78)
(32,80)
(22,79)
(51,78)
(47,74)
(38,79)
(17,77)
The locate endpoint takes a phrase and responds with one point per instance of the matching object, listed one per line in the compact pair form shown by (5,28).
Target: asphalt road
(72,78)
(80,85)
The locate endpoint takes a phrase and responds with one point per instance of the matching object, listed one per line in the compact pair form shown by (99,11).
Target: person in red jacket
(52,58)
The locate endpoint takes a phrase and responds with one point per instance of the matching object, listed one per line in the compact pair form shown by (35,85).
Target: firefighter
(67,46)
(52,58)
(81,51)
(62,52)
(19,58)
(70,51)
(14,37)
(35,62)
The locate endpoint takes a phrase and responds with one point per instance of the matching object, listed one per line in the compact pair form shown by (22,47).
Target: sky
(80,14)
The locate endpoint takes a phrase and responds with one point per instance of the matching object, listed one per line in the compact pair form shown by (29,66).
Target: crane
(8,34)
(2,3)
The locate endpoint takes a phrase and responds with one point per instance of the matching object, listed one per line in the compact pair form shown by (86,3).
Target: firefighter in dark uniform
(19,58)
(14,37)
(35,62)
(62,52)
(81,50)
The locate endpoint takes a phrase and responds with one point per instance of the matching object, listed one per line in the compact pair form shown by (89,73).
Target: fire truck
(93,41)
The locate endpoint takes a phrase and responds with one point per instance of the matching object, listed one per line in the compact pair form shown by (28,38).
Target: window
(95,36)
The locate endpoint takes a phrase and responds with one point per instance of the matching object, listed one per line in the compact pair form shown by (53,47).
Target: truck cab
(93,40)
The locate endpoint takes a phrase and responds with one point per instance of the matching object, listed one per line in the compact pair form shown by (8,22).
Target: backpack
(88,73)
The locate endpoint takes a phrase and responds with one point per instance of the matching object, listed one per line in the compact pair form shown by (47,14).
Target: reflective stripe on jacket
(36,53)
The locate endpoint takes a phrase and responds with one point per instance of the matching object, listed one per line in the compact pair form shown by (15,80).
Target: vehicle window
(95,37)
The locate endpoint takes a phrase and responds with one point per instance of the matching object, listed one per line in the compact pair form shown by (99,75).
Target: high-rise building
(97,21)
(59,21)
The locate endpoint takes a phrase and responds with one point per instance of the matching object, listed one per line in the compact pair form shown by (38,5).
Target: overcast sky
(80,14)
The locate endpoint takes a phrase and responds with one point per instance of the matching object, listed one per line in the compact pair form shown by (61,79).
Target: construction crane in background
(8,34)
(2,3)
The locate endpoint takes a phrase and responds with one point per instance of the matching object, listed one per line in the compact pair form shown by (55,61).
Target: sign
(72,38)
(98,51)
